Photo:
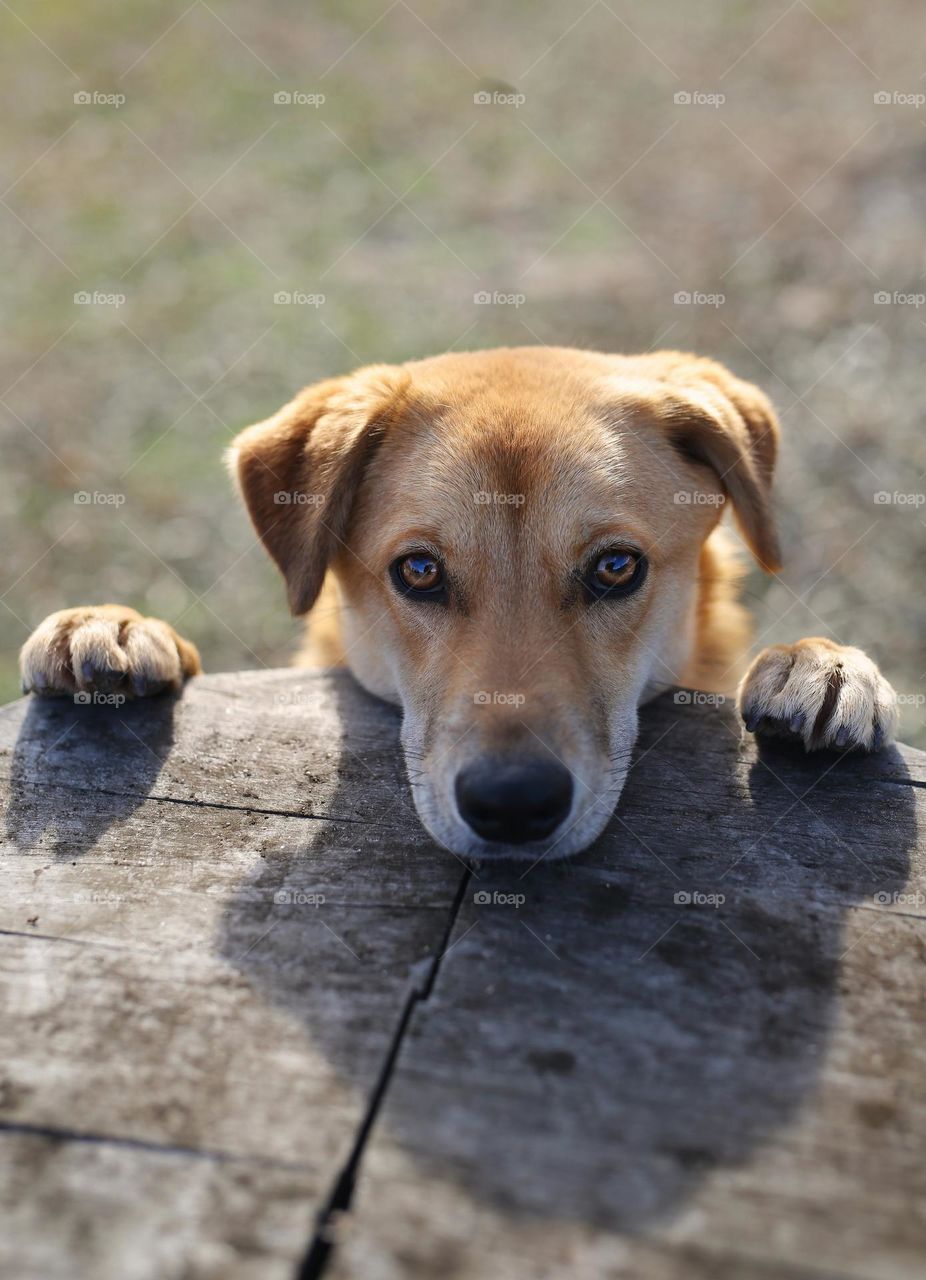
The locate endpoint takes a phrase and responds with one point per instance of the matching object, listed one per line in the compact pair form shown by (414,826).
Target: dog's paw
(105,648)
(825,694)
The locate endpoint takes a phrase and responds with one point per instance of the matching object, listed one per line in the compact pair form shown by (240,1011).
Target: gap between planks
(322,1242)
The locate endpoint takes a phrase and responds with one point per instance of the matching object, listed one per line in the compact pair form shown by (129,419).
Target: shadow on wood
(62,747)
(604,1033)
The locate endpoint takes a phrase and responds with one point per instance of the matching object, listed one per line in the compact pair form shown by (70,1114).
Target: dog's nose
(511,802)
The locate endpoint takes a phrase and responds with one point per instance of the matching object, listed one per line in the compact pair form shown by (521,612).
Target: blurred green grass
(141,399)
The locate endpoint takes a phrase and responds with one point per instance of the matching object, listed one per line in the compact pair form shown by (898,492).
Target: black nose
(512,802)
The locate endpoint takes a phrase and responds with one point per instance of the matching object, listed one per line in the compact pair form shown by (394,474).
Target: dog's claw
(102,679)
(824,695)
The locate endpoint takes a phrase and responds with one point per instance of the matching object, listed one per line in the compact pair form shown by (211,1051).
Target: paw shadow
(77,769)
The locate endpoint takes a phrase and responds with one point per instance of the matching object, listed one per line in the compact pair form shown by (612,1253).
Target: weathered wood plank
(608,1082)
(594,1080)
(289,741)
(175,951)
(75,1209)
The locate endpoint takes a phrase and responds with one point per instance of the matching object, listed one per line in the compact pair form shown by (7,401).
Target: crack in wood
(58,937)
(56,1133)
(196,804)
(322,1242)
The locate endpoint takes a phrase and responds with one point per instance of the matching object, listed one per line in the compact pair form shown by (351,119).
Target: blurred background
(207,206)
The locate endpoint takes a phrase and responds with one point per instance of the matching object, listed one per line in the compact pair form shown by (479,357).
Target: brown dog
(525,547)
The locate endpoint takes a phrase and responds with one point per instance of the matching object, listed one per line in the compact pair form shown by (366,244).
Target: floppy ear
(715,418)
(298,471)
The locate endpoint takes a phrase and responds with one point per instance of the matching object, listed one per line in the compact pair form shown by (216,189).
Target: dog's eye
(616,573)
(419,574)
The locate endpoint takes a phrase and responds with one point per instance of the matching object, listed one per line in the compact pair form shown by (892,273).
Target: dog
(521,547)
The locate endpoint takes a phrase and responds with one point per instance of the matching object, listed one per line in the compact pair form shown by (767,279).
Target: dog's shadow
(644,1015)
(76,770)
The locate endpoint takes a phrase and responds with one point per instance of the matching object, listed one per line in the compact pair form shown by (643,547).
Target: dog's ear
(717,419)
(298,471)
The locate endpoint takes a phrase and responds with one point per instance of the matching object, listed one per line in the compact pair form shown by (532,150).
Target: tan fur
(322,644)
(104,647)
(724,626)
(513,467)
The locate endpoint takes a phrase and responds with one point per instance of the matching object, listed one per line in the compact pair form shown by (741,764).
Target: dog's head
(516,538)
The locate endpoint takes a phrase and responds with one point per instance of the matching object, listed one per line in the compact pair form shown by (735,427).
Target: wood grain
(248,1004)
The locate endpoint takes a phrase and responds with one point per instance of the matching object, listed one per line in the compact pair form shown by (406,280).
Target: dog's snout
(513,802)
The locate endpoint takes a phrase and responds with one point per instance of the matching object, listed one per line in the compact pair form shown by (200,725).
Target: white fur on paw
(827,695)
(100,650)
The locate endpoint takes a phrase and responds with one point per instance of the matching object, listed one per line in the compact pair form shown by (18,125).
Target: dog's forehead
(541,429)
(521,461)
(510,445)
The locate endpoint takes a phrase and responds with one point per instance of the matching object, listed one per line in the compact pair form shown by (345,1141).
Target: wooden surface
(249,1008)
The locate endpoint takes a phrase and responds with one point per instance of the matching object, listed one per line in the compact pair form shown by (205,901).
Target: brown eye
(617,572)
(615,569)
(419,572)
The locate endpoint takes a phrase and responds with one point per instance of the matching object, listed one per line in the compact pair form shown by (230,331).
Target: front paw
(825,694)
(105,649)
